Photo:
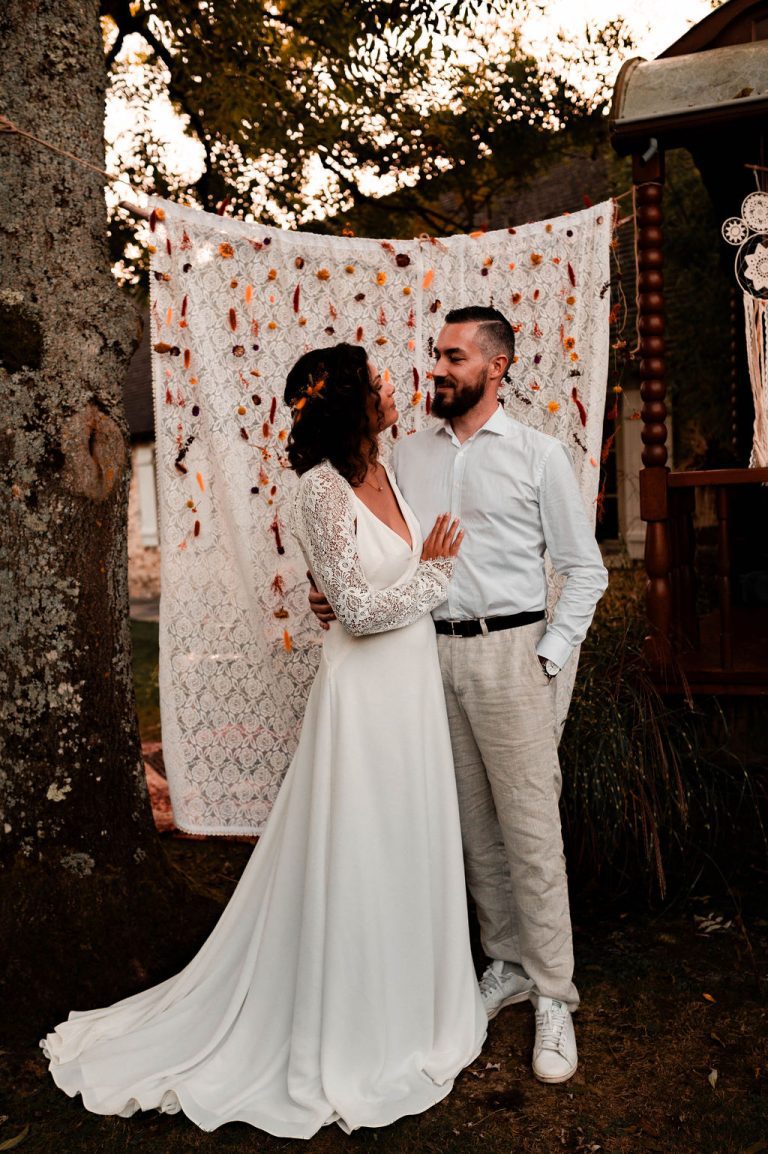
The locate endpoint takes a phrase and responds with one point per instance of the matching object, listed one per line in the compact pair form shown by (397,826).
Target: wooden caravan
(707,93)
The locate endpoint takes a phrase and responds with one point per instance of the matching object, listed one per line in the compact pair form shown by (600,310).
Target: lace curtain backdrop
(234,304)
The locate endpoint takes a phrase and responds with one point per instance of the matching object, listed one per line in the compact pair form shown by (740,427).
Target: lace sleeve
(325,526)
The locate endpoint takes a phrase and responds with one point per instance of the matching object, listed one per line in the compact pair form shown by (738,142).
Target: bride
(338,984)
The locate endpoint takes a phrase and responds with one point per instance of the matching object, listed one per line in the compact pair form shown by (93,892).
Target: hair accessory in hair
(313,389)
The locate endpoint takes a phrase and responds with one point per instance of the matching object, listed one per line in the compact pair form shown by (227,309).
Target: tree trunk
(89,905)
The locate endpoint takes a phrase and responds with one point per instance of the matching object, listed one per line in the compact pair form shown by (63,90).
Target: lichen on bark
(78,846)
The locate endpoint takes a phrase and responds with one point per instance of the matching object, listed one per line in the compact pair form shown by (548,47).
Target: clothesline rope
(8,126)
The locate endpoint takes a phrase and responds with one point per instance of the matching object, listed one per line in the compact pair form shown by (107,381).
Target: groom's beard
(456,400)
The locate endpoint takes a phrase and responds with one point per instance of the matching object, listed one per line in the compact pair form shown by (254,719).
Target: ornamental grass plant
(653,791)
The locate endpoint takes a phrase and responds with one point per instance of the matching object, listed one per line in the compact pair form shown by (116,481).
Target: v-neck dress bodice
(383,562)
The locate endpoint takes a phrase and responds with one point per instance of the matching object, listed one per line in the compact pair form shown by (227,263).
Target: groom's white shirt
(516,495)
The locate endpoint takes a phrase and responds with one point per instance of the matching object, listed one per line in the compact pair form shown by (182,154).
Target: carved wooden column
(648,178)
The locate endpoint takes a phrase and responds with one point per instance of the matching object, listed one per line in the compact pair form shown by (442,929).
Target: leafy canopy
(302,109)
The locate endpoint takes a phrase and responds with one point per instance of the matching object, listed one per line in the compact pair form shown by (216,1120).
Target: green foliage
(650,788)
(300,108)
(698,284)
(144,640)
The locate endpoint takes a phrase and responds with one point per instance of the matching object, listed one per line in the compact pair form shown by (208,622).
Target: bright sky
(655,24)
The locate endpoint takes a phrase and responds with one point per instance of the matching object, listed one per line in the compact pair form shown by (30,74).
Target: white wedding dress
(338,984)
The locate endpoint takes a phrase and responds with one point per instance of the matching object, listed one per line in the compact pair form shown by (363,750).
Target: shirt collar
(496,423)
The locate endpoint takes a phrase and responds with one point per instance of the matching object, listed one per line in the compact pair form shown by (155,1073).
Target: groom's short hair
(494,332)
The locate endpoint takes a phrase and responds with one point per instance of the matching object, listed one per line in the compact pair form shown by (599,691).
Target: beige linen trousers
(503,731)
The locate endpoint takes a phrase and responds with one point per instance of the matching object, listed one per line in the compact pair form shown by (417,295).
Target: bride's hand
(444,539)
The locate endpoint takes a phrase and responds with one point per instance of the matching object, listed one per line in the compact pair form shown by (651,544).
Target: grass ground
(144,638)
(673,1040)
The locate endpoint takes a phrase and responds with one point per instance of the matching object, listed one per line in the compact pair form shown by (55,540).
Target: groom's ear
(498,366)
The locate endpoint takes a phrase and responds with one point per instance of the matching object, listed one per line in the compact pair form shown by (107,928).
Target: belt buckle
(453,624)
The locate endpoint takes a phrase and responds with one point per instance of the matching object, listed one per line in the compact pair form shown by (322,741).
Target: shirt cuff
(554,648)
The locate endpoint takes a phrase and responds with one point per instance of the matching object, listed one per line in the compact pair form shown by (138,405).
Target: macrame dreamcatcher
(750,233)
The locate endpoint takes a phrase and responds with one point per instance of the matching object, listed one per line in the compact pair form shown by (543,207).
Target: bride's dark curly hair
(328,391)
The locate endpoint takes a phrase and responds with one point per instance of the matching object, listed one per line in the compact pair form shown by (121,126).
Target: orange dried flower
(226,251)
(323,274)
(570,342)
(381,278)
(553,406)
(536,258)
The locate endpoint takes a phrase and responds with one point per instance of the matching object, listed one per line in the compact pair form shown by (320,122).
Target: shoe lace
(550,1023)
(489,982)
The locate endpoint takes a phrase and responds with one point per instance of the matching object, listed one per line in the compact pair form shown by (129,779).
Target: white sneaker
(554,1051)
(499,989)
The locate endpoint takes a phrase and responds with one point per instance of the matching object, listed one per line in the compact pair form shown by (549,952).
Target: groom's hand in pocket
(319,605)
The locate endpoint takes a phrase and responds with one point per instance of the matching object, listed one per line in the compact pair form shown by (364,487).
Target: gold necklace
(378,488)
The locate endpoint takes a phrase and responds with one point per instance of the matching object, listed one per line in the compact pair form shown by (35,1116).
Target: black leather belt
(474,627)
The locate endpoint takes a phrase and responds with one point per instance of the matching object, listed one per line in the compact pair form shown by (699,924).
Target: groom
(515,493)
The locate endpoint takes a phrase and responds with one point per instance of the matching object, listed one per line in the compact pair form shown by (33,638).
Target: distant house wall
(143,534)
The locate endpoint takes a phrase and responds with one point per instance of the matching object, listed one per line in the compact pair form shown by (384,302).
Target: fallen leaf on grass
(11,1143)
(756,1147)
(716,1038)
(712,1078)
(709,998)
(710,923)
